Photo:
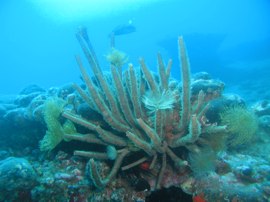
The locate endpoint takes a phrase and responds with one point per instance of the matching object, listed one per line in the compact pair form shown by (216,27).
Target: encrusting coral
(145,113)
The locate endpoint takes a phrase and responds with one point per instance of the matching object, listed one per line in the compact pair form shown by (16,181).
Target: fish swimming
(124,29)
(121,30)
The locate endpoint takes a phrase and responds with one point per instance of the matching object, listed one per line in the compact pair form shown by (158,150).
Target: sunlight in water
(72,10)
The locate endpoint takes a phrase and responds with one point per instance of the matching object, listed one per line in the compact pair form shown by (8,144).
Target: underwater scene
(134,101)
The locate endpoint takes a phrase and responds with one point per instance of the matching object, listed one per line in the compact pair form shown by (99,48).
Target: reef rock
(17,177)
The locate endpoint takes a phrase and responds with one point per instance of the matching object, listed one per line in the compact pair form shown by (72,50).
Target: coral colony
(138,136)
(145,119)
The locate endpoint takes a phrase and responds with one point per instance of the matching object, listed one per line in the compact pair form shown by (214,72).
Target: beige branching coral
(145,113)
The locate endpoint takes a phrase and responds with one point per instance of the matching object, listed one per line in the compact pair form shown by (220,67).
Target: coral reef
(151,115)
(148,137)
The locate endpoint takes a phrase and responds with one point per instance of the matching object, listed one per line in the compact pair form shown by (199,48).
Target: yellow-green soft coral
(241,123)
(55,130)
(117,58)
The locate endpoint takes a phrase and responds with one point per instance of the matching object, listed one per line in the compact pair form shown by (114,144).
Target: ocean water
(177,144)
(228,39)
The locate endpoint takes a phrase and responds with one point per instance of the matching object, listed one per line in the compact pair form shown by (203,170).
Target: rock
(17,176)
(4,154)
(17,118)
(19,131)
(88,113)
(35,108)
(218,105)
(25,100)
(31,89)
(202,75)
(28,94)
(118,195)
(65,90)
(264,123)
(262,108)
(63,176)
(7,99)
(209,87)
(2,110)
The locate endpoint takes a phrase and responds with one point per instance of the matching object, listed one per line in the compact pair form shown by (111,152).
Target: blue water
(230,39)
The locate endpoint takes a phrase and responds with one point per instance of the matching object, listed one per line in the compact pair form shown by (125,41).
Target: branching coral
(145,114)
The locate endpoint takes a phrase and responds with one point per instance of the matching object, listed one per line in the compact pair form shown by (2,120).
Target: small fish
(124,29)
